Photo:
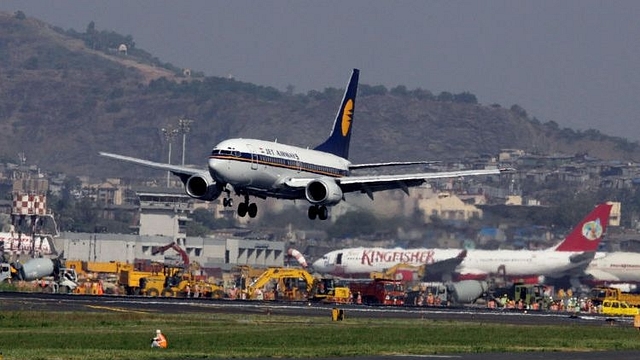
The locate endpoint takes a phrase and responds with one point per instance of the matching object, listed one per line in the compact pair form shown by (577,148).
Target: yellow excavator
(295,284)
(280,284)
(330,290)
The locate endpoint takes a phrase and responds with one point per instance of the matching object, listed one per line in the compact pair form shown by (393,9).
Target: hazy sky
(575,62)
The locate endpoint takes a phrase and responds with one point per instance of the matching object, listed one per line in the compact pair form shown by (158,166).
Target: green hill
(66,95)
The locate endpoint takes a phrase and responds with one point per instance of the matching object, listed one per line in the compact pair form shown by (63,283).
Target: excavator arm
(183,254)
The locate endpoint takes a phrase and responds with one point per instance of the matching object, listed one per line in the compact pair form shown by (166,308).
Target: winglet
(588,234)
(338,141)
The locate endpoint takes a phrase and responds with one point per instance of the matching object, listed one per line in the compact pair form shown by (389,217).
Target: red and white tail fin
(588,234)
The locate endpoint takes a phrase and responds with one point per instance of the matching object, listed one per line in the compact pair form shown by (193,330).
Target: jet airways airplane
(322,176)
(570,257)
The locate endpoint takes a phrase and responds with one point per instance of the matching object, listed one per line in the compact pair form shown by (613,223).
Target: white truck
(49,275)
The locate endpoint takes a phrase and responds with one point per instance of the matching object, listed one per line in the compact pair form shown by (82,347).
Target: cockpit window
(224,152)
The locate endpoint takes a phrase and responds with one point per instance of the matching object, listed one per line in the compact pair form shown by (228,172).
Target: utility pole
(169,135)
(184,126)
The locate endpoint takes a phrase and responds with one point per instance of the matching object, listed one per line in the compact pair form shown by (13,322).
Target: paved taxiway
(52,302)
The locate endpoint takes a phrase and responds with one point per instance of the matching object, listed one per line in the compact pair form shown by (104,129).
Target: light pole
(184,126)
(169,135)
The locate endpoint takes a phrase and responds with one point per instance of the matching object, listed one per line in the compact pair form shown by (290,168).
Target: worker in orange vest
(160,341)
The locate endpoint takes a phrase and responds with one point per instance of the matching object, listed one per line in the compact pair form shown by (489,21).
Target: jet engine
(203,187)
(323,191)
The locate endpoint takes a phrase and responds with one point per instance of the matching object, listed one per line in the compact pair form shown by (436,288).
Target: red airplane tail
(588,234)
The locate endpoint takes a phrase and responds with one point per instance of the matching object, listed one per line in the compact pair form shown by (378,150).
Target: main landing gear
(244,207)
(321,212)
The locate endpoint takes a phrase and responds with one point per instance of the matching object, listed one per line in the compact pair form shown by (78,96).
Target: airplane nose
(318,265)
(215,168)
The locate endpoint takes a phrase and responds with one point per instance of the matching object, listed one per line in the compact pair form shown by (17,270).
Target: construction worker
(160,341)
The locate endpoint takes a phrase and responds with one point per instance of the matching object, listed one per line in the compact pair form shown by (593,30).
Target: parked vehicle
(618,308)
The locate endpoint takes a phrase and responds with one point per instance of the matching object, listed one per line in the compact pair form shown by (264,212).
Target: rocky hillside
(66,95)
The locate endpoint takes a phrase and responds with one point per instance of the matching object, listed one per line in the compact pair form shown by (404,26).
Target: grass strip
(124,335)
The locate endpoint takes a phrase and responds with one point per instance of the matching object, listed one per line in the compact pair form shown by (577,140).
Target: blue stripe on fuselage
(283,163)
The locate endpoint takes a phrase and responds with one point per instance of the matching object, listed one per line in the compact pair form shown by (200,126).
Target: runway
(79,303)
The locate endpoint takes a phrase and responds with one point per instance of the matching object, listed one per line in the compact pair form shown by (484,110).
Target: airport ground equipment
(378,292)
(599,294)
(532,295)
(183,254)
(618,308)
(330,290)
(286,283)
(50,275)
(447,293)
(129,278)
(404,272)
(174,282)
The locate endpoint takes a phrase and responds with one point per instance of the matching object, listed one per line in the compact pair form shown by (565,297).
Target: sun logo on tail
(592,230)
(347,117)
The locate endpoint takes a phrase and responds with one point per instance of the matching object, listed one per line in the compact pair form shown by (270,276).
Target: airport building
(222,252)
(164,214)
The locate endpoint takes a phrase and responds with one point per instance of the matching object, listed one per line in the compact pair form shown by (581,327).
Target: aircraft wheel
(253,210)
(242,209)
(313,212)
(323,213)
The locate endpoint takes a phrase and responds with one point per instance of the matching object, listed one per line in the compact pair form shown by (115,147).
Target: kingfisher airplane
(262,169)
(569,258)
(618,267)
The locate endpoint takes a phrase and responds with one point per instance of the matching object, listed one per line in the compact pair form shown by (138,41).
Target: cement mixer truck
(447,294)
(51,276)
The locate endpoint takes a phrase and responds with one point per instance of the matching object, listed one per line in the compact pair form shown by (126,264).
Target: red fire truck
(378,292)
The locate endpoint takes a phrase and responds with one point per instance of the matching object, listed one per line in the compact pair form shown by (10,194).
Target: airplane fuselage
(262,167)
(477,264)
(615,267)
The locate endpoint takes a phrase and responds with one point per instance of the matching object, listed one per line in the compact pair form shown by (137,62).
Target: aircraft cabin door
(254,157)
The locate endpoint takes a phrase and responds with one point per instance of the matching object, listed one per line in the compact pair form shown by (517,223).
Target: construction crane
(183,254)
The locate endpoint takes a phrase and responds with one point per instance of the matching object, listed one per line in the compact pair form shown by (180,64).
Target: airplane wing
(371,183)
(391,163)
(181,171)
(443,269)
(583,257)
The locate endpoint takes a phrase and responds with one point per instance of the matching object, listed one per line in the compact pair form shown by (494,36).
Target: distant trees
(104,40)
(19,15)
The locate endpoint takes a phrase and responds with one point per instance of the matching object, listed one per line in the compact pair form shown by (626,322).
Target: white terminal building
(163,217)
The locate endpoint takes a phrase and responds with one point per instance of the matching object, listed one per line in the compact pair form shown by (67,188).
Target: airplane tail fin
(588,234)
(338,141)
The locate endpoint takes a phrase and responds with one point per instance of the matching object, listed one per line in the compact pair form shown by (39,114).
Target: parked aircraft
(618,267)
(322,176)
(570,257)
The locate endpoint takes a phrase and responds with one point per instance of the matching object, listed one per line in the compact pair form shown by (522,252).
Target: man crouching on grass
(159,341)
